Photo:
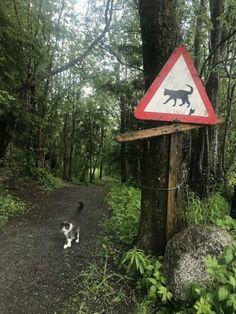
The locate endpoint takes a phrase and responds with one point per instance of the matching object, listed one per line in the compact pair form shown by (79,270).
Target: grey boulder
(183,259)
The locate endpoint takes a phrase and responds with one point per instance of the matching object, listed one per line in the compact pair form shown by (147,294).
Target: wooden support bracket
(162,130)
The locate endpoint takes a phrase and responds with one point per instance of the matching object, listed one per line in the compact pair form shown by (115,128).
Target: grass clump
(9,207)
(102,290)
(147,273)
(208,210)
(124,203)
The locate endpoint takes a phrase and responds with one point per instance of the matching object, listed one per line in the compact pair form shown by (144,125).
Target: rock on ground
(183,260)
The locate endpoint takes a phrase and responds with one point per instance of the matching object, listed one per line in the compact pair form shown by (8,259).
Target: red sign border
(139,112)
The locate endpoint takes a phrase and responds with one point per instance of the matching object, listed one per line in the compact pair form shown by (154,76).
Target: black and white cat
(71,228)
(178,94)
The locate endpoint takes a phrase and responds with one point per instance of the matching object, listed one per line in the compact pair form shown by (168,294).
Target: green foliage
(206,211)
(219,296)
(232,178)
(124,203)
(10,206)
(7,102)
(203,306)
(100,288)
(229,224)
(43,178)
(147,273)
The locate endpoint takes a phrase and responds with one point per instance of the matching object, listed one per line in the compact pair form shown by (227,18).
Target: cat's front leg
(77,237)
(167,100)
(68,244)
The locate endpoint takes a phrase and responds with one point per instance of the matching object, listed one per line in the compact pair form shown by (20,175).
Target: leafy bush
(232,179)
(206,211)
(220,294)
(229,224)
(43,178)
(9,207)
(124,203)
(147,273)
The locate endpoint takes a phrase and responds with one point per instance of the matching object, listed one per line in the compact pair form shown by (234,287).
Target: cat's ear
(62,225)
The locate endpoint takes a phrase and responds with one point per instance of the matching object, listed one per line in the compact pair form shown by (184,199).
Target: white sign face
(178,93)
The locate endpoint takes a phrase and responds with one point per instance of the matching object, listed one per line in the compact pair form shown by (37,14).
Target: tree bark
(212,84)
(204,163)
(123,150)
(5,137)
(198,36)
(160,36)
(65,148)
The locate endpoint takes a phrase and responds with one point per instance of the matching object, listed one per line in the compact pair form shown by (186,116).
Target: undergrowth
(147,273)
(43,178)
(218,296)
(208,210)
(135,280)
(124,204)
(9,207)
(101,290)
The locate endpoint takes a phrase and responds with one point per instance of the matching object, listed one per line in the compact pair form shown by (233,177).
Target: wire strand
(161,189)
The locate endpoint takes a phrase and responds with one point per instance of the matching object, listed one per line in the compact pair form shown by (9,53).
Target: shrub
(206,211)
(43,178)
(9,207)
(229,224)
(147,273)
(220,294)
(124,203)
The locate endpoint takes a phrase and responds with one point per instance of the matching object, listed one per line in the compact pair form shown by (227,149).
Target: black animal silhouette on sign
(191,111)
(178,94)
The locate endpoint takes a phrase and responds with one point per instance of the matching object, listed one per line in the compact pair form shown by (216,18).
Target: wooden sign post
(172,129)
(176,95)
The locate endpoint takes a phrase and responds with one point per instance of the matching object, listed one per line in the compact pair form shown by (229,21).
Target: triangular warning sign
(177,94)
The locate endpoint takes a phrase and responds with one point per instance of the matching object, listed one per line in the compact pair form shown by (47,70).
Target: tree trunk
(197,137)
(101,152)
(72,143)
(203,168)
(212,84)
(198,34)
(160,36)
(70,166)
(65,149)
(5,137)
(123,153)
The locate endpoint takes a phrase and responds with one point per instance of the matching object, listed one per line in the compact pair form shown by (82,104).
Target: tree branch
(79,59)
(214,50)
(119,58)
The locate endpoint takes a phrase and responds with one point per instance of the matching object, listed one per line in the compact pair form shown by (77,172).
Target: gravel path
(36,274)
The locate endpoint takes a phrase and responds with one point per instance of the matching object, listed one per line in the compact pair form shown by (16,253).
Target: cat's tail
(81,205)
(191,89)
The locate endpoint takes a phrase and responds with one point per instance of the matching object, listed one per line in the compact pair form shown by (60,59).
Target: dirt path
(36,274)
